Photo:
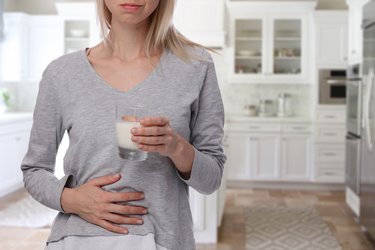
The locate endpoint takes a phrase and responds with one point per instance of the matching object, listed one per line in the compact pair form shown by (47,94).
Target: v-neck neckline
(107,85)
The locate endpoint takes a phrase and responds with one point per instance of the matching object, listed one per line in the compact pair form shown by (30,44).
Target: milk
(124,135)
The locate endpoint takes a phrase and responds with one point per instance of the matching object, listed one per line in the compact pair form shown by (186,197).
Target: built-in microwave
(332,86)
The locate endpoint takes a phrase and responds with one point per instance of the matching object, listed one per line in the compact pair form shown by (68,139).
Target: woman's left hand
(156,135)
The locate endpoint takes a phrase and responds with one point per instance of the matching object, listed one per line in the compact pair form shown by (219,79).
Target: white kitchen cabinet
(355,38)
(14,140)
(43,50)
(237,150)
(269,41)
(15,47)
(201,21)
(331,32)
(264,156)
(269,151)
(81,30)
(329,147)
(296,157)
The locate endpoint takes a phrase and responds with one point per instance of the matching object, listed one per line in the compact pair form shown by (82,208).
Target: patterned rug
(283,228)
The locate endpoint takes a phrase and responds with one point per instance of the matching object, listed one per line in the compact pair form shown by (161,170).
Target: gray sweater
(73,98)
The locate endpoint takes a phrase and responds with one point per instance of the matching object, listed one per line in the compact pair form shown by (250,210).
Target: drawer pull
(330,134)
(330,116)
(329,173)
(299,128)
(330,154)
(254,127)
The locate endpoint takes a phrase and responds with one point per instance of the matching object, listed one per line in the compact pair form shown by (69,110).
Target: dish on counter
(248,53)
(77,33)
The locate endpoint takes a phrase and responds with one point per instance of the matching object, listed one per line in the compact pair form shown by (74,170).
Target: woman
(106,202)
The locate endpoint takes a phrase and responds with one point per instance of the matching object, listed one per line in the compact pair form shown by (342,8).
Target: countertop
(11,117)
(272,119)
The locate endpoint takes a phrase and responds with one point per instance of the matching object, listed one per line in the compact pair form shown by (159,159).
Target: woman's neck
(127,42)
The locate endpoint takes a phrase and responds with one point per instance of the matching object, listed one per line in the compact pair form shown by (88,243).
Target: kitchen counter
(12,117)
(272,119)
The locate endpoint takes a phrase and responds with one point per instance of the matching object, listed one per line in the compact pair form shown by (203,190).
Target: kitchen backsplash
(237,96)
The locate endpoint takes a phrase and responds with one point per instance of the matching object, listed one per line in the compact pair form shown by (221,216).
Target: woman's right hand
(93,204)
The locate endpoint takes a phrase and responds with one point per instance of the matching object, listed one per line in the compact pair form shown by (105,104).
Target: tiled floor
(330,205)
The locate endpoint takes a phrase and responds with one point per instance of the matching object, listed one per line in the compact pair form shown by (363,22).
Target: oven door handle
(336,82)
(370,83)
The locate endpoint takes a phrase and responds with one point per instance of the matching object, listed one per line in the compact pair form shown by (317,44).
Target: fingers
(119,219)
(125,196)
(105,180)
(152,140)
(154,130)
(111,227)
(126,209)
(154,121)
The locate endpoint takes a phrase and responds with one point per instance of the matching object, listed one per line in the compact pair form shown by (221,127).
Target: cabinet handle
(330,154)
(329,173)
(330,134)
(298,128)
(18,138)
(330,116)
(254,127)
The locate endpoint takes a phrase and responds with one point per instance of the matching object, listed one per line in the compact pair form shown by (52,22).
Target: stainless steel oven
(353,123)
(332,86)
(354,100)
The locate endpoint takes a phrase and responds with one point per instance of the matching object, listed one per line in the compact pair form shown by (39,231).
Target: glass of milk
(126,119)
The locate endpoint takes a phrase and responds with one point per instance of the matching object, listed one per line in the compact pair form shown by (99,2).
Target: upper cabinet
(269,41)
(331,33)
(355,31)
(80,27)
(201,21)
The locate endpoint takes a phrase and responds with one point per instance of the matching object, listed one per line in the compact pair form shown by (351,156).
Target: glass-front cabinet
(269,42)
(269,49)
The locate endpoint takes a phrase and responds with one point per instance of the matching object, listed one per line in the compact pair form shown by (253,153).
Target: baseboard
(286,185)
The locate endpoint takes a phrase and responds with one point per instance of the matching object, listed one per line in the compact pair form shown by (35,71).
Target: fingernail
(139,222)
(133,130)
(142,196)
(126,231)
(144,211)
(116,175)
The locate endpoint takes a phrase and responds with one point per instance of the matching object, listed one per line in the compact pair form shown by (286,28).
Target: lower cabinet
(296,157)
(269,156)
(264,156)
(14,140)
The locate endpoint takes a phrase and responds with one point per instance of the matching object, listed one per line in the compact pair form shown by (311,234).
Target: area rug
(27,212)
(283,228)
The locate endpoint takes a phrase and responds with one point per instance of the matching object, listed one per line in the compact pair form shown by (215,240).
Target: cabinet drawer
(330,174)
(330,134)
(331,116)
(297,128)
(325,154)
(257,127)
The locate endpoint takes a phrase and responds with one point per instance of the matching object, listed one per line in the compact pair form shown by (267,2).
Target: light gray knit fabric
(74,98)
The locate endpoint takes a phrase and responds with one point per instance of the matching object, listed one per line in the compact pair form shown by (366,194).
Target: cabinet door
(237,159)
(9,168)
(332,41)
(296,157)
(14,48)
(249,46)
(42,50)
(22,141)
(286,43)
(264,156)
(355,32)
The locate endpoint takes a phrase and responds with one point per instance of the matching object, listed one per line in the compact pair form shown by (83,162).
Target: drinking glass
(126,119)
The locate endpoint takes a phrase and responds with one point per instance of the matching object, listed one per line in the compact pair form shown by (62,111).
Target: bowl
(77,33)
(247,53)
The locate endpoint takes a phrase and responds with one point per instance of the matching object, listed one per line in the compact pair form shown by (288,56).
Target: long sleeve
(207,122)
(47,131)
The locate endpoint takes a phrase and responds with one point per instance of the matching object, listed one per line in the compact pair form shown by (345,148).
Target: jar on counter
(251,110)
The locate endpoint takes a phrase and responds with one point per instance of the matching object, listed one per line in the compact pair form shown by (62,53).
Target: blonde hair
(161,34)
